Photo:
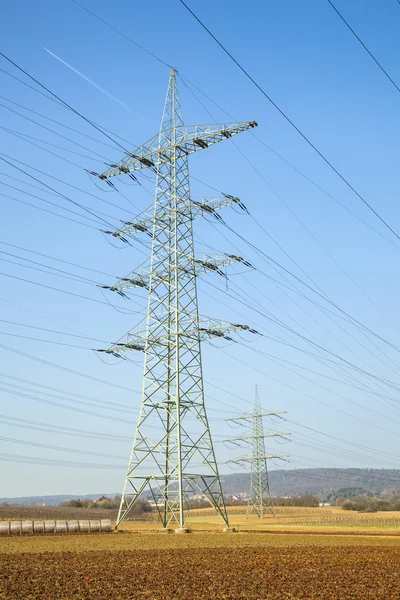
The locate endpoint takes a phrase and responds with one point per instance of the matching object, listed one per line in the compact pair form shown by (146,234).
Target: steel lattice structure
(260,499)
(172,455)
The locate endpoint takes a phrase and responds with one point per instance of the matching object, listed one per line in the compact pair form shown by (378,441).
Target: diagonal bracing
(172,455)
(259,499)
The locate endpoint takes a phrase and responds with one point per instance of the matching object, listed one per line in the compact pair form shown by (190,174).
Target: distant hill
(50,500)
(321,482)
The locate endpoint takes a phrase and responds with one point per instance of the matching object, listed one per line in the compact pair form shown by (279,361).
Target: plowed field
(314,572)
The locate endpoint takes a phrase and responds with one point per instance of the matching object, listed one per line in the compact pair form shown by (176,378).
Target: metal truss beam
(172,455)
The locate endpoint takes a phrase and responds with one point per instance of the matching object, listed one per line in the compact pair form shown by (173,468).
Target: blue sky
(314,69)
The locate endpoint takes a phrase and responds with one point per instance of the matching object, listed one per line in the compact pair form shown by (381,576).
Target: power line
(60,449)
(59,429)
(285,116)
(106,403)
(52,189)
(57,122)
(64,406)
(325,298)
(56,259)
(55,289)
(55,132)
(364,46)
(66,369)
(63,102)
(91,402)
(22,136)
(309,396)
(64,183)
(122,34)
(55,463)
(50,211)
(301,223)
(316,185)
(351,443)
(48,269)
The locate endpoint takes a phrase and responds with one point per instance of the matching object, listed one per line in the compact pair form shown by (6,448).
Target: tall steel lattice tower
(172,455)
(260,499)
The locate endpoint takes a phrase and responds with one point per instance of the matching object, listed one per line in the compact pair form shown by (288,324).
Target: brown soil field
(275,571)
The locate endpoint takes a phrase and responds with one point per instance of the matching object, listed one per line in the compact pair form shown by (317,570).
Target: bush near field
(103,508)
(303,500)
(367,504)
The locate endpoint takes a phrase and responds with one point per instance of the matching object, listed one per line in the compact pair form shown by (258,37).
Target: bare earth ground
(200,566)
(290,557)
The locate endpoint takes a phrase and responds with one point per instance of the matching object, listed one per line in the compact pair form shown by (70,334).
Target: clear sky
(315,70)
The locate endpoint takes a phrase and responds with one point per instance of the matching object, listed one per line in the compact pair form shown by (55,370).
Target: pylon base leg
(229,530)
(182,530)
(165,530)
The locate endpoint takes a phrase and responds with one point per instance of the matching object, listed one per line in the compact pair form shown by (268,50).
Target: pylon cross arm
(247,416)
(268,434)
(153,154)
(194,266)
(250,459)
(208,328)
(200,207)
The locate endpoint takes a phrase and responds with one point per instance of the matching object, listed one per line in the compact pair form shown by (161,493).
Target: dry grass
(155,541)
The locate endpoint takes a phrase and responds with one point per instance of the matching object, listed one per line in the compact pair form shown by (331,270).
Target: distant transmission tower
(172,455)
(260,499)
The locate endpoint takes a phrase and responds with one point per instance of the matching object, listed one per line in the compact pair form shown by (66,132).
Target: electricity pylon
(172,455)
(259,500)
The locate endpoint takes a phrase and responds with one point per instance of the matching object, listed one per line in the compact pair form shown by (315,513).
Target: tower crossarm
(218,263)
(207,329)
(248,416)
(131,341)
(154,154)
(203,265)
(200,207)
(132,280)
(249,437)
(250,458)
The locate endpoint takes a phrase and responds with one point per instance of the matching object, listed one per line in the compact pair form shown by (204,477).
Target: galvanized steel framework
(259,499)
(172,455)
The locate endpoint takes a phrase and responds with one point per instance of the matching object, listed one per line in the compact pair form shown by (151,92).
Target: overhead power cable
(67,262)
(55,289)
(95,403)
(21,135)
(64,137)
(341,440)
(364,46)
(66,369)
(63,102)
(59,429)
(65,406)
(285,116)
(122,34)
(58,122)
(31,460)
(64,183)
(326,299)
(308,395)
(50,211)
(42,386)
(289,164)
(309,232)
(61,449)
(53,190)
